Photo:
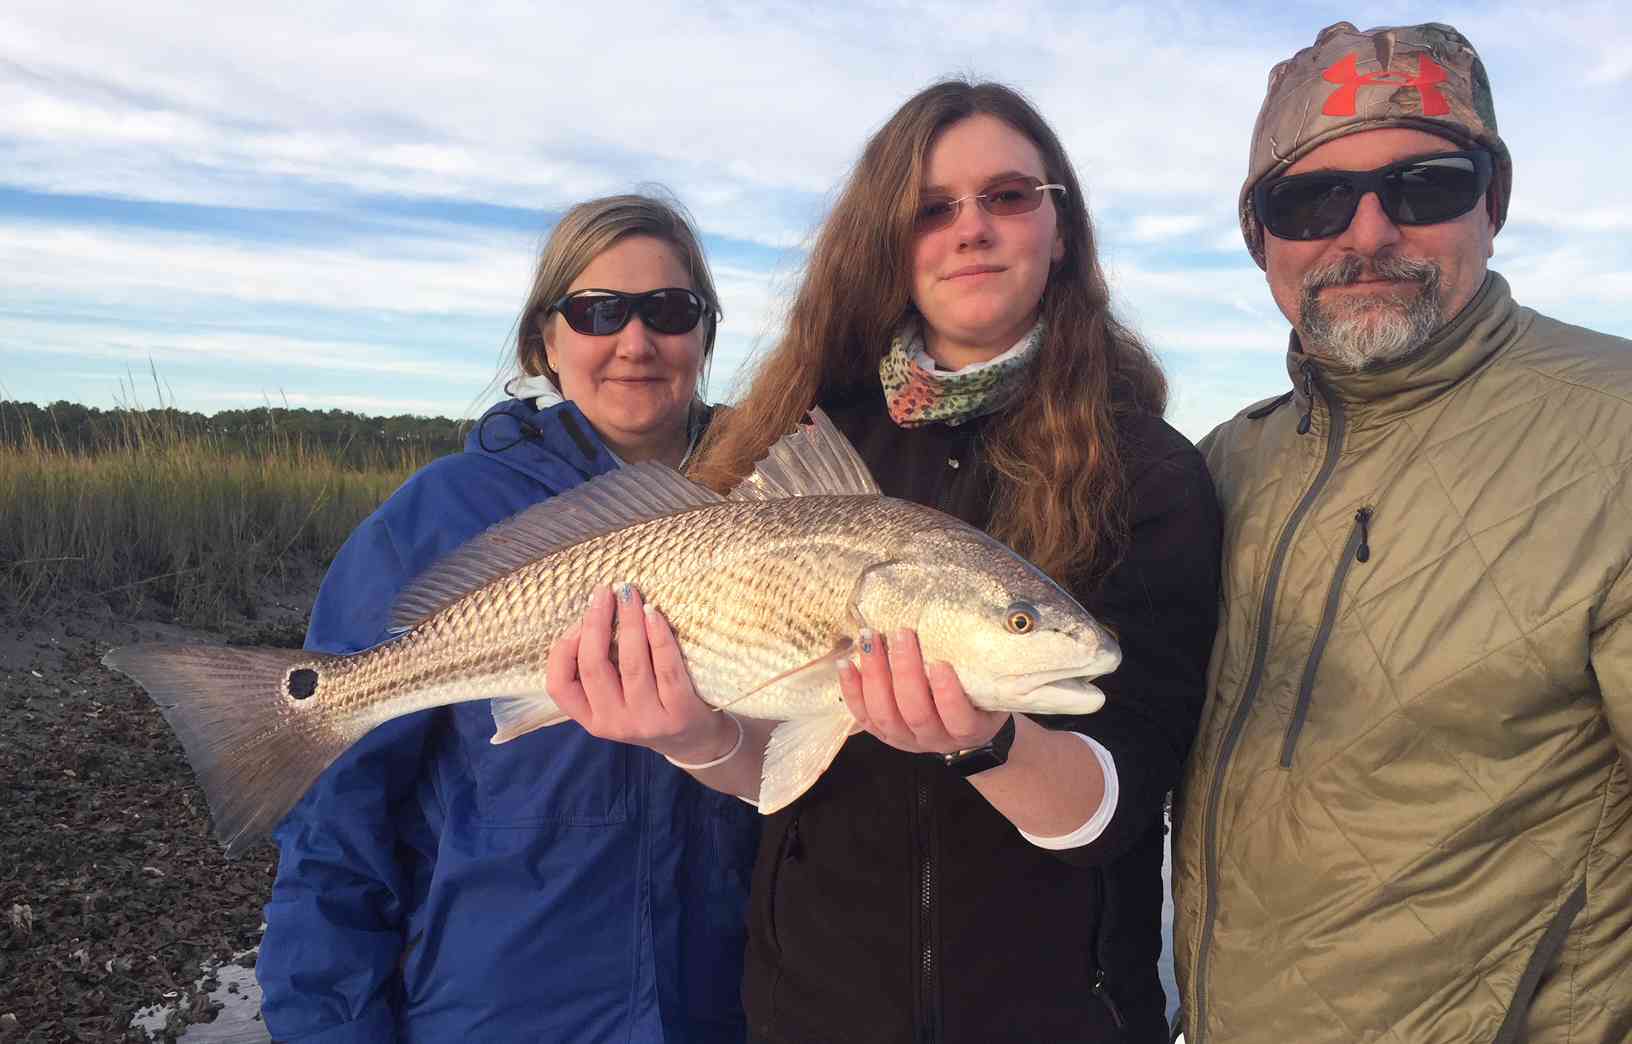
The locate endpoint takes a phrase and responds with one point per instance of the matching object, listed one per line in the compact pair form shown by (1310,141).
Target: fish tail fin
(799,751)
(515,716)
(237,713)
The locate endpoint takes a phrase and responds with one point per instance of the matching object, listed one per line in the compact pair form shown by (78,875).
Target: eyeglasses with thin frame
(1425,190)
(1004,198)
(599,313)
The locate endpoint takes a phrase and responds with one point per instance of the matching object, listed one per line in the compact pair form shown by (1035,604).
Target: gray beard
(1366,334)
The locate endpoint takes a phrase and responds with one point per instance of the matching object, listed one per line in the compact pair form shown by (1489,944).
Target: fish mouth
(1058,692)
(1105,659)
(1077,679)
(1075,690)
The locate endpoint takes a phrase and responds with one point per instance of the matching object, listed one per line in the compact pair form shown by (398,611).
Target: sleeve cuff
(1101,818)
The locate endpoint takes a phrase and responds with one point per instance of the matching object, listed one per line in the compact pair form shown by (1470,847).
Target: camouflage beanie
(1423,77)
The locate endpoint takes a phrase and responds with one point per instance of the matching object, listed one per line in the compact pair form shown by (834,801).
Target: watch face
(978,760)
(967,763)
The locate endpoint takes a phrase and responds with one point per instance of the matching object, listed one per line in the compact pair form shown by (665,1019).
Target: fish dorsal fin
(814,459)
(631,494)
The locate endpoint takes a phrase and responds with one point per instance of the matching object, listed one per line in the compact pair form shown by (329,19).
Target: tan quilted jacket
(1408,815)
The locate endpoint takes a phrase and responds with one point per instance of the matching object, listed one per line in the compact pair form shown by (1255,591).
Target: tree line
(348,437)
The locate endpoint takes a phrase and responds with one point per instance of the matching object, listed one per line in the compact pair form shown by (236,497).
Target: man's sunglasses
(668,310)
(1421,191)
(1002,199)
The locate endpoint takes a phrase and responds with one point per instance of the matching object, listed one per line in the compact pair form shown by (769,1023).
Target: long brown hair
(586,231)
(1059,495)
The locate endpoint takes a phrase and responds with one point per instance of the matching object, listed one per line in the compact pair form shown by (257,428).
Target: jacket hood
(540,443)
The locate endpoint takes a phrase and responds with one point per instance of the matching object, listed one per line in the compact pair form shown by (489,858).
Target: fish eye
(1021,618)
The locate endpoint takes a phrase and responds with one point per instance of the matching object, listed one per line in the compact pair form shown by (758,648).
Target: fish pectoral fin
(515,716)
(800,751)
(816,674)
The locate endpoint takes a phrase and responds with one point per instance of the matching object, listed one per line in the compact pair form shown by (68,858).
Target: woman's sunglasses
(1002,199)
(1421,191)
(668,310)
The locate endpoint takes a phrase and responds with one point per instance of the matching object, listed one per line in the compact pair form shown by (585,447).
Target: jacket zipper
(1308,418)
(1101,987)
(1358,549)
(929,1030)
(1103,992)
(1238,721)
(928,960)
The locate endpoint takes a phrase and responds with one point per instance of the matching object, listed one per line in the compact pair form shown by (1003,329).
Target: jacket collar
(540,443)
(1486,324)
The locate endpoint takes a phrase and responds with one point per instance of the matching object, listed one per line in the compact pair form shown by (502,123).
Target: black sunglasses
(1423,191)
(668,310)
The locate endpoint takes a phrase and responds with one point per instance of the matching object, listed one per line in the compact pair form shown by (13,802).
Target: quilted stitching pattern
(1455,778)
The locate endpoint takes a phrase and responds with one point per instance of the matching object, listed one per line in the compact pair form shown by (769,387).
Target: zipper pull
(1308,417)
(1363,552)
(1103,992)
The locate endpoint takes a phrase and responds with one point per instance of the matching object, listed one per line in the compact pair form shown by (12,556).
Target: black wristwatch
(978,759)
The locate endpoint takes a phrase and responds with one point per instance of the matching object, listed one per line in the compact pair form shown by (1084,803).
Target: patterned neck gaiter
(918,392)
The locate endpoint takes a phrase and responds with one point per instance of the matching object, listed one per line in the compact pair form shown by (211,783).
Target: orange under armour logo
(1346,74)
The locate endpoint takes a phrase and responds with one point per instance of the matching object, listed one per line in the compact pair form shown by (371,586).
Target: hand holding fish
(646,697)
(913,706)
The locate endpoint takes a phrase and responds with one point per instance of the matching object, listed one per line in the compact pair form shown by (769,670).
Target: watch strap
(990,755)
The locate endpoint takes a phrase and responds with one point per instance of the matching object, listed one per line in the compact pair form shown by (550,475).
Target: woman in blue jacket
(435,887)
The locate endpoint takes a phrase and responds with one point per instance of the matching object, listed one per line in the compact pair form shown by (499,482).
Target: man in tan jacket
(1408,815)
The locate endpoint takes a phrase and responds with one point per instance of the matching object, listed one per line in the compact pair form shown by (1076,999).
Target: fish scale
(742,604)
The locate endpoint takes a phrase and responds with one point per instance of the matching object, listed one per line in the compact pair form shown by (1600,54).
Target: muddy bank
(113,896)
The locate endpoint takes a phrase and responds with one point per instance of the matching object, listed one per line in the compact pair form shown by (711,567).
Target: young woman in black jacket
(956,874)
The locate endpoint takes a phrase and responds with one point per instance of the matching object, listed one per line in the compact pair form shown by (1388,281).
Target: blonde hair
(583,234)
(1059,499)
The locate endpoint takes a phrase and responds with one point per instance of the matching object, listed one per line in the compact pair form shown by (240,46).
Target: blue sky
(339,205)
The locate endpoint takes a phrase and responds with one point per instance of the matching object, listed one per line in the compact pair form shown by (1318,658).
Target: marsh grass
(159,512)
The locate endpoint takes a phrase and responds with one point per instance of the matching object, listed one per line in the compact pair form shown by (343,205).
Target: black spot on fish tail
(302,683)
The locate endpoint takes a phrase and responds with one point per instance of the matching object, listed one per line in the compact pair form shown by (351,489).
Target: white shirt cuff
(1101,818)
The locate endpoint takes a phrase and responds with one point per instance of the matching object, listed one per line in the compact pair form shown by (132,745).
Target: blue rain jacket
(434,887)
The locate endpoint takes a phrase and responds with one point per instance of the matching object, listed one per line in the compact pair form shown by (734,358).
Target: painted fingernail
(901,637)
(867,636)
(843,664)
(649,608)
(626,592)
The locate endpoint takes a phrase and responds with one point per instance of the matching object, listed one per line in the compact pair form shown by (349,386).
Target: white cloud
(135,347)
(1572,280)
(1267,337)
(752,115)
(1589,216)
(121,265)
(1152,228)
